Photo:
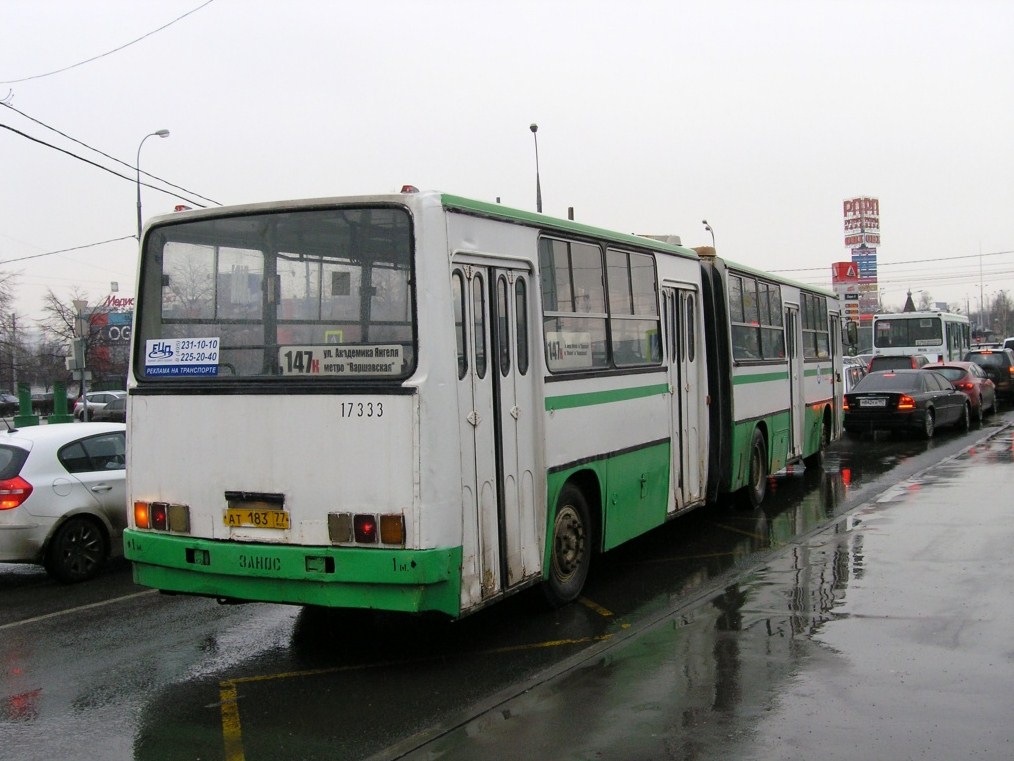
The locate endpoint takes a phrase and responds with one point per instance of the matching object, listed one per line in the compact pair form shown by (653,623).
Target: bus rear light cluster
(366,528)
(162,516)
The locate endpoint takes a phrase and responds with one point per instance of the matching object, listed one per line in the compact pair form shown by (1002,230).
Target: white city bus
(941,336)
(419,402)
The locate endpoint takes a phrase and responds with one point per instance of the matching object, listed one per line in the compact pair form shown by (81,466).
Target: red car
(972,379)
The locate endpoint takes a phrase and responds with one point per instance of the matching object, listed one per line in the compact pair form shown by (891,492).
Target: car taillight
(964,386)
(13,492)
(906,402)
(844,402)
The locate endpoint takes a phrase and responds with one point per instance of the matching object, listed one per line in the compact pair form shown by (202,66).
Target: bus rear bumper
(402,580)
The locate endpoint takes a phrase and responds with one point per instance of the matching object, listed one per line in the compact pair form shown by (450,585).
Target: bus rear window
(318,293)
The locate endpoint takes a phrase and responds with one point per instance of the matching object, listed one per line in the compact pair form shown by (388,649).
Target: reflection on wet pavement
(884,635)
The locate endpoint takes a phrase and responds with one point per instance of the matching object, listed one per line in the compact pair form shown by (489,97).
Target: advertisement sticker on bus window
(164,357)
(345,361)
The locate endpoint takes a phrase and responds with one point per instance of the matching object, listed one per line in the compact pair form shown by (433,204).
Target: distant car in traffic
(998,364)
(973,381)
(897,362)
(96,400)
(112,412)
(913,400)
(63,496)
(853,371)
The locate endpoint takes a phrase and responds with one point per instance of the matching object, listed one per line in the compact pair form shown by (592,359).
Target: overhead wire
(111,158)
(99,166)
(107,53)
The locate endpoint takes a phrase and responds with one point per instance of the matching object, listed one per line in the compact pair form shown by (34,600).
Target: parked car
(63,500)
(918,400)
(897,362)
(973,381)
(998,364)
(113,412)
(8,404)
(96,400)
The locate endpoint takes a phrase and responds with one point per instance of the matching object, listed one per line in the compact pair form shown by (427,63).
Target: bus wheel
(571,553)
(757,486)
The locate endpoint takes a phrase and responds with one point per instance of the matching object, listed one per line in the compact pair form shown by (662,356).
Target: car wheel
(965,421)
(757,485)
(77,551)
(928,425)
(979,414)
(571,550)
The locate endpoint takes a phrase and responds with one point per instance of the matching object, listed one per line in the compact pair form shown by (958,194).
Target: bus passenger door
(679,309)
(797,403)
(497,422)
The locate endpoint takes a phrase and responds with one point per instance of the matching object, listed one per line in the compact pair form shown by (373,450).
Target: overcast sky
(759,116)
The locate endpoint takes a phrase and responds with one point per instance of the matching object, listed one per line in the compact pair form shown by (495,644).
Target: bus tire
(570,556)
(757,483)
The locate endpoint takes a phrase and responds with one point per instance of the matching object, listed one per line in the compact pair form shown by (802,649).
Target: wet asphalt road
(864,613)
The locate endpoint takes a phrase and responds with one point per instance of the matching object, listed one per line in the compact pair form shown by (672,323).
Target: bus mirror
(851,333)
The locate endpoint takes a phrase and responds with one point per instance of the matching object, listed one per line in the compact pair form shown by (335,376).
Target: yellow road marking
(231,733)
(735,530)
(229,696)
(595,606)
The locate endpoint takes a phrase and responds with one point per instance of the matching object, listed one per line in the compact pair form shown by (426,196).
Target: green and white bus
(419,402)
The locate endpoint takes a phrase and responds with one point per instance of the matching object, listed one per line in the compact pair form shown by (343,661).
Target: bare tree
(61,326)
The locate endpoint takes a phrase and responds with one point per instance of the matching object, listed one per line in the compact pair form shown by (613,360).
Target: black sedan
(919,400)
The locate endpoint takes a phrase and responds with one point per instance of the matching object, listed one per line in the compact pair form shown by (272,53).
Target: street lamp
(157,133)
(708,228)
(538,185)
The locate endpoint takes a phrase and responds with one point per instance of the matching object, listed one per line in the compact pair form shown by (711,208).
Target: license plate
(872,402)
(256,518)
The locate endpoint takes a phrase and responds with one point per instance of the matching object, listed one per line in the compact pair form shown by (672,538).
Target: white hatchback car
(63,496)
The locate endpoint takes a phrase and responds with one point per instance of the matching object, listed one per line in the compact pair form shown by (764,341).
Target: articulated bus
(419,402)
(941,336)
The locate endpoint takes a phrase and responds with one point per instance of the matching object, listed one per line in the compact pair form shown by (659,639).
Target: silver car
(63,500)
(96,401)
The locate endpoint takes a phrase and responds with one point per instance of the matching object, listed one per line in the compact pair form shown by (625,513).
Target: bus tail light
(906,402)
(13,492)
(162,516)
(366,528)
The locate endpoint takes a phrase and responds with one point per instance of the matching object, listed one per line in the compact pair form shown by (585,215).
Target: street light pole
(538,184)
(157,133)
(708,228)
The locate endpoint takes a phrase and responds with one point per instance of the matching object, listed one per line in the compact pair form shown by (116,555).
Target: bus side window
(479,320)
(521,316)
(458,296)
(503,326)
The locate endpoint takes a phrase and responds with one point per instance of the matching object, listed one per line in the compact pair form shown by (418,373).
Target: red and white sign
(862,221)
